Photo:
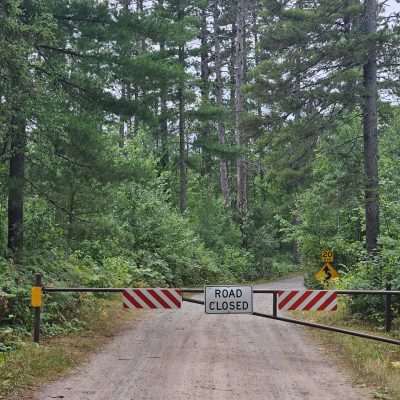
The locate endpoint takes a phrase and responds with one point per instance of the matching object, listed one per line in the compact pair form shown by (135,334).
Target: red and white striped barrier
(307,300)
(150,299)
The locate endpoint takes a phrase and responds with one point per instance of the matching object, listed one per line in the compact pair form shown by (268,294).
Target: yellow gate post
(36,302)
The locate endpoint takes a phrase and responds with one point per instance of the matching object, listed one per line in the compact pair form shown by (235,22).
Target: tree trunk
(240,58)
(223,166)
(140,49)
(16,189)
(124,94)
(182,151)
(182,141)
(204,88)
(256,42)
(123,119)
(370,126)
(71,212)
(164,128)
(164,160)
(232,65)
(140,9)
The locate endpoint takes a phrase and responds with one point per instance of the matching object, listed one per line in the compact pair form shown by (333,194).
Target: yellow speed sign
(327,256)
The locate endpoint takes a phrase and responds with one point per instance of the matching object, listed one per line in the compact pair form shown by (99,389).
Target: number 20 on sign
(327,256)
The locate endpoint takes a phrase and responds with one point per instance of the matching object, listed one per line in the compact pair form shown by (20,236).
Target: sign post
(228,299)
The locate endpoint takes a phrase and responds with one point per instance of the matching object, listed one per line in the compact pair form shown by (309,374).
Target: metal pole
(388,310)
(37,310)
(189,300)
(275,304)
(187,290)
(330,328)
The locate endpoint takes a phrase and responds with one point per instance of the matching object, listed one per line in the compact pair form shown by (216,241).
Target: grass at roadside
(373,364)
(30,365)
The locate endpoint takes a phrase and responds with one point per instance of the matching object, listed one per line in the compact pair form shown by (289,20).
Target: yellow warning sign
(326,273)
(327,256)
(36,300)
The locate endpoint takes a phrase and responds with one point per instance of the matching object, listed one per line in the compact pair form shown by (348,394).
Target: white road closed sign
(229,299)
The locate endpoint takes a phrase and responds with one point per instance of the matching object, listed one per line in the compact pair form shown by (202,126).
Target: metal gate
(39,288)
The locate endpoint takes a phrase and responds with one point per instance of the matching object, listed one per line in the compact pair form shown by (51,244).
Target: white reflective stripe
(142,302)
(303,305)
(164,301)
(321,301)
(126,301)
(138,299)
(309,299)
(164,297)
(331,306)
(282,297)
(318,303)
(293,300)
(176,294)
(315,293)
(326,296)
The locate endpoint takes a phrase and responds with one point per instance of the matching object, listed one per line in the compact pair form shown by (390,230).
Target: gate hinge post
(37,306)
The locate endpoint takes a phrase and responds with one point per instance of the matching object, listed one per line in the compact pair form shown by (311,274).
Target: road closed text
(229,299)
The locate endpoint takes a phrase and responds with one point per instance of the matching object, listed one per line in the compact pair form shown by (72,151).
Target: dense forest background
(179,142)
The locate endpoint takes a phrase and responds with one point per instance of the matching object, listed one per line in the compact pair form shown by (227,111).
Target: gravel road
(188,355)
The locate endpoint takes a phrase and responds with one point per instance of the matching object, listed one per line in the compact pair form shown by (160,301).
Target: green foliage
(134,238)
(112,115)
(311,80)
(331,216)
(330,210)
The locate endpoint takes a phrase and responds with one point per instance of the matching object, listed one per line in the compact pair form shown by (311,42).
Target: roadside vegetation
(29,365)
(373,365)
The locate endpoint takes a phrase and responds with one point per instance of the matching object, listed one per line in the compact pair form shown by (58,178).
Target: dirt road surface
(188,355)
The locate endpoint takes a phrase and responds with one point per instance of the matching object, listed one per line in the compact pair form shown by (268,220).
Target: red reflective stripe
(315,300)
(328,301)
(144,298)
(168,293)
(300,301)
(287,298)
(131,300)
(158,298)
